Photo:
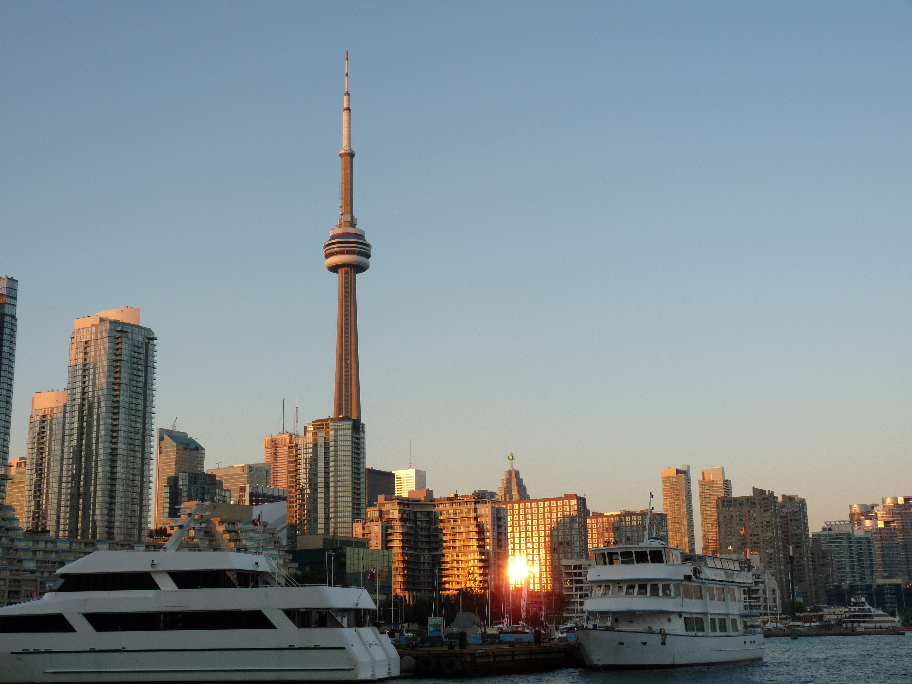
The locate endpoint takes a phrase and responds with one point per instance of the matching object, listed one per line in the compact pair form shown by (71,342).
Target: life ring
(664,635)
(696,572)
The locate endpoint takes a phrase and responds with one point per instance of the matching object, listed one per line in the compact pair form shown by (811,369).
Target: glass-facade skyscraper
(105,475)
(677,502)
(45,451)
(8,290)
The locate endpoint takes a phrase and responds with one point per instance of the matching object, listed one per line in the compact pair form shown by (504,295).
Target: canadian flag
(743,530)
(373,573)
(257,521)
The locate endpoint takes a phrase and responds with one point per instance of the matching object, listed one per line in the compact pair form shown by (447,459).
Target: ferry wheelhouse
(182,616)
(653,606)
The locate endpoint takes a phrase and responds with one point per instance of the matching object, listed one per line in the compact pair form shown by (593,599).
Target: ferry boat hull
(613,649)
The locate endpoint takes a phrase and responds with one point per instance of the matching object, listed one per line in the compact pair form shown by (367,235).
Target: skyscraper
(677,502)
(106,472)
(8,291)
(178,453)
(512,487)
(333,455)
(45,454)
(408,480)
(796,531)
(711,486)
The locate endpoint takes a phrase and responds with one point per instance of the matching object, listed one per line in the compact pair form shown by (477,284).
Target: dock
(493,659)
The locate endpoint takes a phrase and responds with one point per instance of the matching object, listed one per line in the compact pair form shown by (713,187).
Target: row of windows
(630,557)
(690,591)
(189,579)
(693,623)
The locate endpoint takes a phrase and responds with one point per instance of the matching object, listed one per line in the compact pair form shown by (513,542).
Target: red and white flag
(257,521)
(373,573)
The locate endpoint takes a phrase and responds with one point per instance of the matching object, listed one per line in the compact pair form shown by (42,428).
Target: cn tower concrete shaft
(347,253)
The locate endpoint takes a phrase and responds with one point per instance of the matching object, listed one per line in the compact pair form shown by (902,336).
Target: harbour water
(807,660)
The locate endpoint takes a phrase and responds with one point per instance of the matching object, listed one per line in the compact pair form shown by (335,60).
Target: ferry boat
(861,617)
(183,616)
(650,605)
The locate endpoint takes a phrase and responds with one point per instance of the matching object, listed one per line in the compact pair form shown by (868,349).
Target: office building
(256,495)
(409,528)
(852,551)
(105,479)
(45,454)
(377,482)
(793,510)
(474,549)
(546,532)
(750,525)
(178,453)
(512,487)
(677,502)
(626,527)
(409,480)
(8,293)
(191,486)
(244,475)
(711,486)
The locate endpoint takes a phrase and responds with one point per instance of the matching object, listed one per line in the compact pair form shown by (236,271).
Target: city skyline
(743,188)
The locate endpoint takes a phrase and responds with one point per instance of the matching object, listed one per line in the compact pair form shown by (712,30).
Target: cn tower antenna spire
(347,253)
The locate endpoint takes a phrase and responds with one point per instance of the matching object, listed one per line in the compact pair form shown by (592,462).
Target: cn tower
(347,254)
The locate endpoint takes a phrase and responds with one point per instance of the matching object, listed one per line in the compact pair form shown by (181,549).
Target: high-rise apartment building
(545,532)
(8,292)
(711,486)
(626,527)
(178,453)
(410,529)
(408,480)
(16,486)
(793,510)
(187,486)
(474,543)
(45,455)
(852,550)
(899,509)
(281,454)
(103,491)
(753,525)
(677,502)
(512,487)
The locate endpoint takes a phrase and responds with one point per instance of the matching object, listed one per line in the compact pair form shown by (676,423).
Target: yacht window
(734,622)
(699,624)
(107,581)
(688,591)
(600,559)
(48,622)
(641,556)
(631,590)
(716,593)
(677,589)
(218,579)
(656,556)
(626,557)
(179,620)
(689,624)
(731,594)
(697,591)
(723,625)
(666,590)
(641,590)
(619,589)
(653,589)
(712,624)
(614,558)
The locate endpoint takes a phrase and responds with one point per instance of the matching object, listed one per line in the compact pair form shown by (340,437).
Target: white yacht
(650,606)
(861,617)
(182,616)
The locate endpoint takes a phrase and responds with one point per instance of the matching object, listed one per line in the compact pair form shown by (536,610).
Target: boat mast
(648,519)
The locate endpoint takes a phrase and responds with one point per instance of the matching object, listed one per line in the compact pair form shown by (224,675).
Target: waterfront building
(8,293)
(408,480)
(576,588)
(512,487)
(711,486)
(858,513)
(377,482)
(545,532)
(891,529)
(625,527)
(889,560)
(281,454)
(45,454)
(677,502)
(753,525)
(409,528)
(793,510)
(244,475)
(257,495)
(191,486)
(474,548)
(178,453)
(899,509)
(852,551)
(16,486)
(105,477)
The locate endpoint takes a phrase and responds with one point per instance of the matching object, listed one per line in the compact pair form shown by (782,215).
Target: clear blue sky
(608,237)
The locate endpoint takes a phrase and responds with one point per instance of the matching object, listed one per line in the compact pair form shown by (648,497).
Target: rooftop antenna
(174,424)
(295,429)
(283,415)
(346,80)
(648,519)
(510,459)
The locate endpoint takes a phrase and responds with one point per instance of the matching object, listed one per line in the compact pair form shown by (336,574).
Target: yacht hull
(610,649)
